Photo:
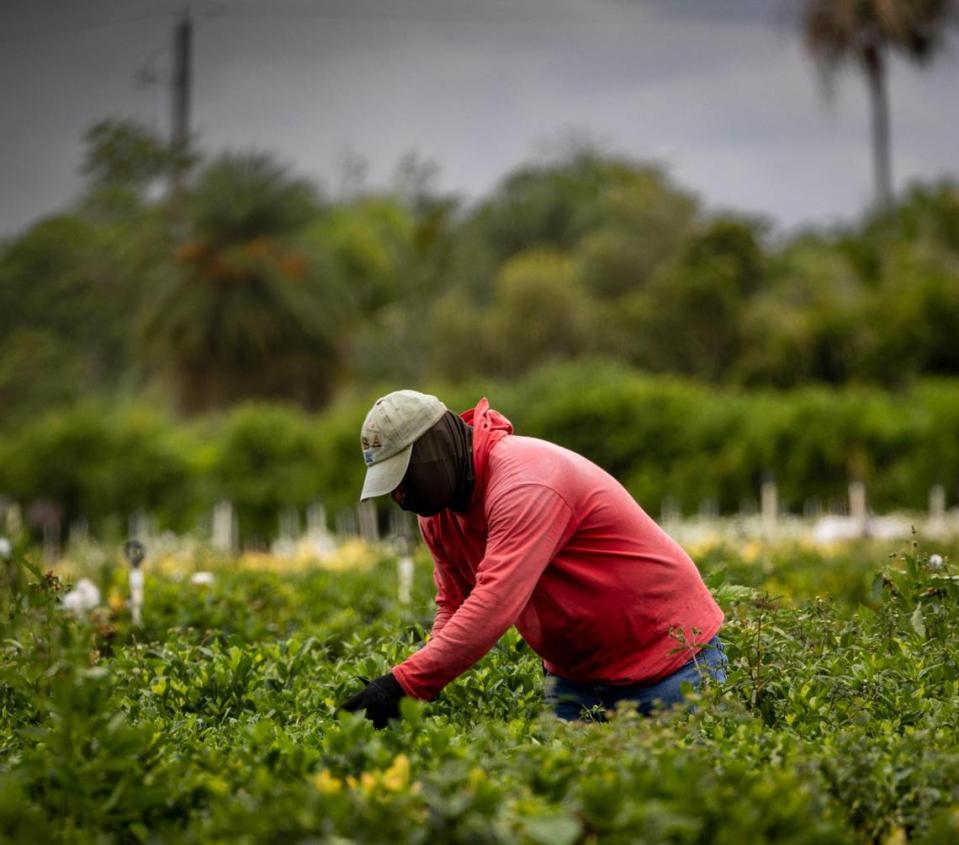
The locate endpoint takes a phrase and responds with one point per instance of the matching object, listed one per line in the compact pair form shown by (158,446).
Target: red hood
(489,427)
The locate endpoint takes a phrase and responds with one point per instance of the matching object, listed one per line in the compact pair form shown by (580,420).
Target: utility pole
(182,84)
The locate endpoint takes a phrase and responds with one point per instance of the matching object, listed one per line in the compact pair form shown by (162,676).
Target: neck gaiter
(440,474)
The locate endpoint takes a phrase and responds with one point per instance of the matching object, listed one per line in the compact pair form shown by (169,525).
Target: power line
(86,27)
(221,10)
(388,16)
(442,18)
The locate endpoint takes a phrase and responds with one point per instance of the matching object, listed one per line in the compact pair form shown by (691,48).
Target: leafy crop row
(217,721)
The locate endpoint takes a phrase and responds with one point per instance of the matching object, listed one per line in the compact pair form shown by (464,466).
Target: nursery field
(216,719)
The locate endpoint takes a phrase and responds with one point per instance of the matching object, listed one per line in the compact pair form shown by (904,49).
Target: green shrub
(666,439)
(97,464)
(264,458)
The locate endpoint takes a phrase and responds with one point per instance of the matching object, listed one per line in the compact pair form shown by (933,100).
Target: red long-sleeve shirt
(556,546)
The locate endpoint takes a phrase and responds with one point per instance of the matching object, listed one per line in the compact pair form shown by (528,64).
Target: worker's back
(604,607)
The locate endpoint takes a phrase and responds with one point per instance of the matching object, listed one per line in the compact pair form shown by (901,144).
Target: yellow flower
(325,783)
(896,836)
(397,776)
(351,554)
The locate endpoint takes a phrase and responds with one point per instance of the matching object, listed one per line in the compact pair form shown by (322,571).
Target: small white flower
(935,561)
(83,597)
(204,579)
(6,549)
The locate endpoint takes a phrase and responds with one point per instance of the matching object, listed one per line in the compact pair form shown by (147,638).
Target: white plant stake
(404,568)
(404,564)
(135,552)
(769,508)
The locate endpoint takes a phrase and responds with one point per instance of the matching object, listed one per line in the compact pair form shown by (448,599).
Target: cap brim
(385,476)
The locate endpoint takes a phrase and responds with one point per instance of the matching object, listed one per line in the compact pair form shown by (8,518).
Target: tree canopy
(254,285)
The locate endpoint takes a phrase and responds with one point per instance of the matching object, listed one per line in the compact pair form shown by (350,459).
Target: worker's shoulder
(518,445)
(533,460)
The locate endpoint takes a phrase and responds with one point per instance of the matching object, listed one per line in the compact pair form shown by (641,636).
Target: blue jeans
(569,698)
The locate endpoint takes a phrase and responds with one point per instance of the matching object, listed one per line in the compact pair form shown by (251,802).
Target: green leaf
(553,830)
(140,831)
(917,622)
(412,710)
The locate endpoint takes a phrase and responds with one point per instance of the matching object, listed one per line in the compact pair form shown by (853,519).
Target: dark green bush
(665,439)
(97,464)
(264,458)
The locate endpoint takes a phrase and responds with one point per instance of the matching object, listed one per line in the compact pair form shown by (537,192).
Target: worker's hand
(380,700)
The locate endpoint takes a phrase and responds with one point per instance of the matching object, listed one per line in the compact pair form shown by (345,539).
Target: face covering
(440,474)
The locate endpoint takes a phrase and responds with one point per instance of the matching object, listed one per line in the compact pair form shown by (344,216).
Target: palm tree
(248,310)
(866,31)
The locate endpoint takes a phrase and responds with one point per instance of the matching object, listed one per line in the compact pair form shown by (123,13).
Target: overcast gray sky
(717,91)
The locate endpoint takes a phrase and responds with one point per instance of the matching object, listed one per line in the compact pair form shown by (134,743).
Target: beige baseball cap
(391,427)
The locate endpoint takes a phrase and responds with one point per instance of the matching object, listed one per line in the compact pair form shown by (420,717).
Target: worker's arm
(380,698)
(446,605)
(451,588)
(527,526)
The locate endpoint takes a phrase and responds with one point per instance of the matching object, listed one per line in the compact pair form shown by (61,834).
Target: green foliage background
(690,352)
(664,438)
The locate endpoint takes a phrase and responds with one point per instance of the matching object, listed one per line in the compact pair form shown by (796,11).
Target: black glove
(380,700)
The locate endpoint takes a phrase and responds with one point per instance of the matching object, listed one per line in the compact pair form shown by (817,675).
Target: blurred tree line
(676,445)
(253,284)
